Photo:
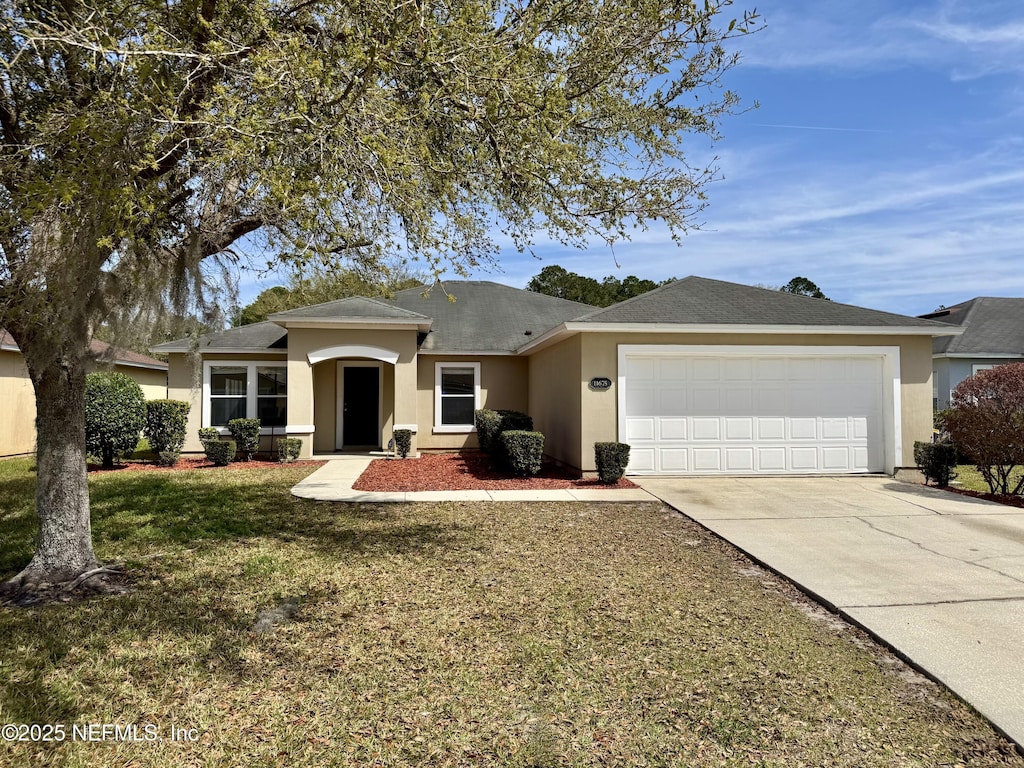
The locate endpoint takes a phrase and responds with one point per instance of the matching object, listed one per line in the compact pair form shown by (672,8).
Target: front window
(228,387)
(246,391)
(272,396)
(457,396)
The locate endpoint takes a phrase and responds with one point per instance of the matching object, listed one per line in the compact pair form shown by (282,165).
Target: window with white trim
(245,390)
(976,368)
(456,396)
(228,386)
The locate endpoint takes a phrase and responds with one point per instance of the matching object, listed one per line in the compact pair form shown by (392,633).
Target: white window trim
(983,367)
(454,428)
(250,390)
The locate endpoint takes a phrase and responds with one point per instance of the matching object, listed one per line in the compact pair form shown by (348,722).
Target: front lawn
(512,634)
(969,478)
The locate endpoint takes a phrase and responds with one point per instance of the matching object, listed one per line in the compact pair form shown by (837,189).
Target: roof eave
(565,330)
(999,355)
(219,350)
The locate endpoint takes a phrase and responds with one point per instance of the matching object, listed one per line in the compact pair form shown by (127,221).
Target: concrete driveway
(937,576)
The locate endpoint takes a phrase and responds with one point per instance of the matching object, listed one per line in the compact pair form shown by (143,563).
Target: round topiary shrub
(166,421)
(611,460)
(221,452)
(246,432)
(115,412)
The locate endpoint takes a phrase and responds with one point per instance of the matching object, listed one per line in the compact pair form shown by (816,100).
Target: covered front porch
(350,396)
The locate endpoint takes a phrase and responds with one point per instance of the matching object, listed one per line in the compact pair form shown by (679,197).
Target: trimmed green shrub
(115,412)
(936,461)
(221,452)
(168,458)
(246,433)
(487,423)
(611,460)
(403,441)
(490,424)
(289,449)
(166,421)
(523,451)
(208,435)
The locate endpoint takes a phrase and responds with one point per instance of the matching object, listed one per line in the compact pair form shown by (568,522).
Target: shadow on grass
(193,610)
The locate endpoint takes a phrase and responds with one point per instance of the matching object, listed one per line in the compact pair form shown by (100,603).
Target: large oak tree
(144,139)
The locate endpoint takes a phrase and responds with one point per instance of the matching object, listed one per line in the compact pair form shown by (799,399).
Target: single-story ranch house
(699,376)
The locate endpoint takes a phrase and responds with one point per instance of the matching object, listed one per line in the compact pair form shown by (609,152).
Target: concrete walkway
(334,480)
(936,576)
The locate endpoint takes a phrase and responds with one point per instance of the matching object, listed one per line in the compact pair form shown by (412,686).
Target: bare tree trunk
(64,548)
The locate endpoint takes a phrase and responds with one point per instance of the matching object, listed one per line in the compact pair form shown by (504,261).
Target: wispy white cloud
(870,36)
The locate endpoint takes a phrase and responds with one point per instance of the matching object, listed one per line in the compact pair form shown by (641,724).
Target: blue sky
(885,163)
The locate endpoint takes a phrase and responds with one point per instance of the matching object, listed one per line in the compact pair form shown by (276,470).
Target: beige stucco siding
(555,402)
(18,422)
(153,382)
(504,384)
(599,357)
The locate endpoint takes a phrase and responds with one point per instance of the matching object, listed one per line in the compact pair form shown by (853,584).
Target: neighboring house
(18,423)
(992,334)
(698,376)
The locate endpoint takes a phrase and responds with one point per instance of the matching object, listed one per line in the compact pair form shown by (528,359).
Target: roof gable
(992,326)
(350,308)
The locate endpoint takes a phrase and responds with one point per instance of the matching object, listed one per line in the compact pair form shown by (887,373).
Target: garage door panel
(803,459)
(640,429)
(773,414)
(641,459)
(772,402)
(705,369)
(706,401)
(739,459)
(673,369)
(835,429)
(673,429)
(707,460)
(771,459)
(835,459)
(673,460)
(739,428)
(672,402)
(770,368)
(803,429)
(705,428)
(771,428)
(738,370)
(739,400)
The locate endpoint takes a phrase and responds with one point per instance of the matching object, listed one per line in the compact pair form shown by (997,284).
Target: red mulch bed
(465,472)
(1010,501)
(193,462)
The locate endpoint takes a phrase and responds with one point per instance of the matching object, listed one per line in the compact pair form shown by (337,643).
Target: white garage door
(703,414)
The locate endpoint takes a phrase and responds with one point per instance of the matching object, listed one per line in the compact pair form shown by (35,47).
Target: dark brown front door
(361,404)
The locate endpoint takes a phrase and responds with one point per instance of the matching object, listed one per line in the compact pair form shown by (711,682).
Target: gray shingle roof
(485,316)
(354,307)
(265,335)
(701,301)
(992,327)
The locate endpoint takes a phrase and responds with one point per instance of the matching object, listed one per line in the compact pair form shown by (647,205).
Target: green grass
(969,478)
(449,635)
